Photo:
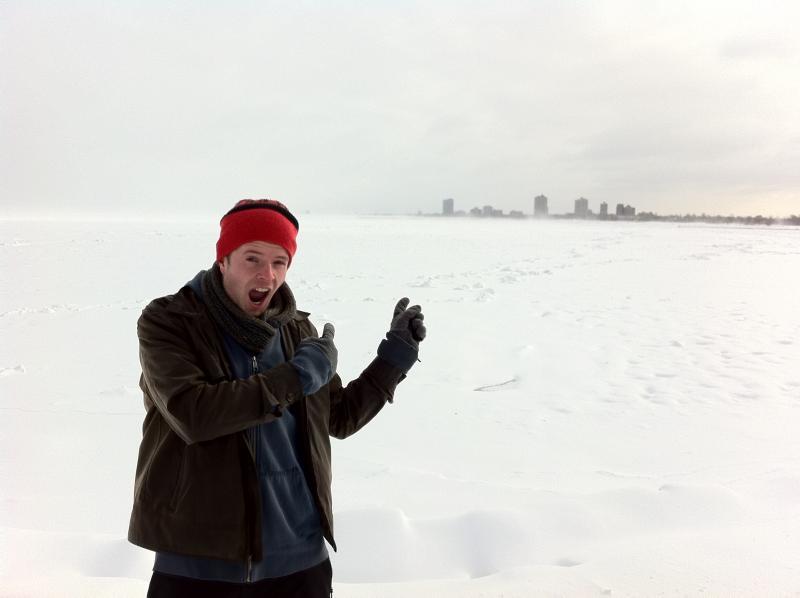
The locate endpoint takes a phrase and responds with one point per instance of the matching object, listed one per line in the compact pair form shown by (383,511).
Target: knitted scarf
(252,333)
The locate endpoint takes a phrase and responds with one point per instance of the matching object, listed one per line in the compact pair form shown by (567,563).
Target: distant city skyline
(540,209)
(582,210)
(152,109)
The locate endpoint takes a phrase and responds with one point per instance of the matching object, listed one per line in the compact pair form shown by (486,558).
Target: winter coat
(196,490)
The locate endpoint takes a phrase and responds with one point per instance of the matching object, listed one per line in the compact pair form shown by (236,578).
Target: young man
(233,481)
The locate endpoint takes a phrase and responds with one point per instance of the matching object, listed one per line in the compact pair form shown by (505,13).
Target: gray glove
(401,346)
(407,323)
(315,360)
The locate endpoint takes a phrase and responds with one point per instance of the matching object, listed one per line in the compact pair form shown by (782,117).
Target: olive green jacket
(196,490)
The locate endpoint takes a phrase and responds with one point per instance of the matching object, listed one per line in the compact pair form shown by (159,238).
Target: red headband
(257,220)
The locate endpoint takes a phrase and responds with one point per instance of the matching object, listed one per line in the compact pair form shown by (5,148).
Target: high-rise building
(581,207)
(447,206)
(540,206)
(620,209)
(604,210)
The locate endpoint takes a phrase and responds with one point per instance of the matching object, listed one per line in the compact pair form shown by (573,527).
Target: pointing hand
(316,359)
(407,323)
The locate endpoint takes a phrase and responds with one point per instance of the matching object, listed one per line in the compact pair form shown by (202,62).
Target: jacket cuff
(290,389)
(385,375)
(397,352)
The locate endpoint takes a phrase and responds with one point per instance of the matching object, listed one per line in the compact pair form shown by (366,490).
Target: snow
(601,409)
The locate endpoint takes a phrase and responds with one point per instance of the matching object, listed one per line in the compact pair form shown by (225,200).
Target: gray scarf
(253,333)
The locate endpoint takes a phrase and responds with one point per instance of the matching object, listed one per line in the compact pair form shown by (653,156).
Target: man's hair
(269,204)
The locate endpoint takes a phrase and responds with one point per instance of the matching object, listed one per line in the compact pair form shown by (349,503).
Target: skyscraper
(540,206)
(447,206)
(581,207)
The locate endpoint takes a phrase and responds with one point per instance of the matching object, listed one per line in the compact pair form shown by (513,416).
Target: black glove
(407,329)
(315,360)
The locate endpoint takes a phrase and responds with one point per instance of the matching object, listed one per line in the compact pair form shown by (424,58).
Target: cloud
(369,107)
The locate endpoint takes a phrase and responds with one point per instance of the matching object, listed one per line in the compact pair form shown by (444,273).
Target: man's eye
(252,259)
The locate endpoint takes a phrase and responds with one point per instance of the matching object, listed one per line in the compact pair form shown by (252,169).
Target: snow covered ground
(602,409)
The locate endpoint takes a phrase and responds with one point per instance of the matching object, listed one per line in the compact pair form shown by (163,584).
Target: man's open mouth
(257,296)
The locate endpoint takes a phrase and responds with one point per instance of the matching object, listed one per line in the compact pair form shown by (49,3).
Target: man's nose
(267,273)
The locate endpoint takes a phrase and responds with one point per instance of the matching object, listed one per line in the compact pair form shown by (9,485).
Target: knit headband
(257,220)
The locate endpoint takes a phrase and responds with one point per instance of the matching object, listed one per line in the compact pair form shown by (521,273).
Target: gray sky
(145,107)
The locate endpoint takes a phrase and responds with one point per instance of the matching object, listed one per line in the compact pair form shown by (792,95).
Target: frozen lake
(601,408)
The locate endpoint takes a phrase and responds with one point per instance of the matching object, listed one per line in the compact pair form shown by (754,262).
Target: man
(233,481)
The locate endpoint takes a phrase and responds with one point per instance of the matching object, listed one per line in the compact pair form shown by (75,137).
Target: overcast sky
(156,107)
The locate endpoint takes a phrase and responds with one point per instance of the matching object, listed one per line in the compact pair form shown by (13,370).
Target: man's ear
(223,264)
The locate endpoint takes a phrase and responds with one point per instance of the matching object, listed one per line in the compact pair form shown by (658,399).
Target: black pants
(309,583)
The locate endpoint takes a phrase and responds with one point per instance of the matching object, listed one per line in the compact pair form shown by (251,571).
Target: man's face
(253,273)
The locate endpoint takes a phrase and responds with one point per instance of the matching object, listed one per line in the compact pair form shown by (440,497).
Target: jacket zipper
(253,442)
